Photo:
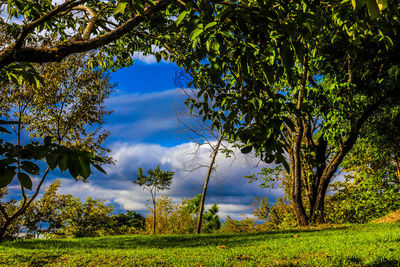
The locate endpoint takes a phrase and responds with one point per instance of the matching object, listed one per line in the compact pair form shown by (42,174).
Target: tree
(156,180)
(232,34)
(181,218)
(207,135)
(44,216)
(88,219)
(371,186)
(287,78)
(91,25)
(130,219)
(210,219)
(67,113)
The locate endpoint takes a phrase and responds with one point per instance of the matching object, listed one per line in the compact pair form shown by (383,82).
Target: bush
(181,218)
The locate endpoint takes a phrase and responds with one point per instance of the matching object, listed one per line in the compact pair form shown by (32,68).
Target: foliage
(210,219)
(180,218)
(157,180)
(57,215)
(91,218)
(371,186)
(45,216)
(212,222)
(129,221)
(66,112)
(277,216)
(247,225)
(14,230)
(362,199)
(293,79)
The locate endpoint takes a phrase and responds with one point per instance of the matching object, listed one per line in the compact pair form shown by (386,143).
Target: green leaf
(246,149)
(382,4)
(287,57)
(73,167)
(357,4)
(51,160)
(120,8)
(48,140)
(6,177)
(158,57)
(30,167)
(182,17)
(84,167)
(209,25)
(25,180)
(373,9)
(63,163)
(196,33)
(99,168)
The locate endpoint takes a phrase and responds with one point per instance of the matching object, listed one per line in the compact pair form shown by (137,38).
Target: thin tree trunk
(154,216)
(203,195)
(396,161)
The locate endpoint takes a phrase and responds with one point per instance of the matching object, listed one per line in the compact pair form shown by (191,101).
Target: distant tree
(86,219)
(210,220)
(44,216)
(130,219)
(181,217)
(156,180)
(14,229)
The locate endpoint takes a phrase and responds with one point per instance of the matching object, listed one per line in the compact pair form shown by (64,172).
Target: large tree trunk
(296,177)
(203,195)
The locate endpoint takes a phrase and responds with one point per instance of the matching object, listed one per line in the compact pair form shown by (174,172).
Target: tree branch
(13,53)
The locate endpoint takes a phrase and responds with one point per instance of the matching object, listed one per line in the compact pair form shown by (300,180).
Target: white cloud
(148,59)
(232,194)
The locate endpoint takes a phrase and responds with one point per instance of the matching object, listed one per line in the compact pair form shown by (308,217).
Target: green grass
(354,245)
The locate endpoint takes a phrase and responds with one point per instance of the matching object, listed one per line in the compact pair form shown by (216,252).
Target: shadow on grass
(161,241)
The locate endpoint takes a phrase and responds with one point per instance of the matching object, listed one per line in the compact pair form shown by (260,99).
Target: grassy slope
(372,244)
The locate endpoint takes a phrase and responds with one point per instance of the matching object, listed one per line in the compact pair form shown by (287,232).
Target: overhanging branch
(13,53)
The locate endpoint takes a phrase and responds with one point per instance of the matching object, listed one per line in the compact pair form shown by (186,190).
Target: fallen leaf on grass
(295,236)
(222,247)
(241,257)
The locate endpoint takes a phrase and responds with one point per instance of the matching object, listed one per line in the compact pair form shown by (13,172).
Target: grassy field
(354,245)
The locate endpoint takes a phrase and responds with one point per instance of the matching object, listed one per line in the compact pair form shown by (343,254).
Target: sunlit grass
(372,244)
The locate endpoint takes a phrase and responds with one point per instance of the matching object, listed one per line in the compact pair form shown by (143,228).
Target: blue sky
(145,133)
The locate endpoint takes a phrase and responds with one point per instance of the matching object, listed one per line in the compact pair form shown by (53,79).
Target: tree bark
(396,162)
(154,215)
(296,177)
(203,195)
(296,166)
